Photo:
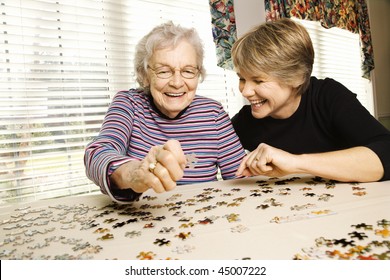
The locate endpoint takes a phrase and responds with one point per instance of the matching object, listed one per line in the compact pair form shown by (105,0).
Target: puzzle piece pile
(167,226)
(356,246)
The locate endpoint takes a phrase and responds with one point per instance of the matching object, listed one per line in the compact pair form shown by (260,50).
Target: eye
(163,70)
(241,81)
(189,70)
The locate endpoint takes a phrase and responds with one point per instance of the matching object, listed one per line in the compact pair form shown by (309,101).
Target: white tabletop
(259,218)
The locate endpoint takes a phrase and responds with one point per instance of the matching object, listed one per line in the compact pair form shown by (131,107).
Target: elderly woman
(163,134)
(296,123)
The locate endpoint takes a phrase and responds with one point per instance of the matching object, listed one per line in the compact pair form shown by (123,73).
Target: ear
(297,83)
(145,82)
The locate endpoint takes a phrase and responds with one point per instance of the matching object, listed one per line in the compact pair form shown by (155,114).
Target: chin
(259,115)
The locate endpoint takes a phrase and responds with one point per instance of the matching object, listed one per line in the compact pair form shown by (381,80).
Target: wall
(379,11)
(249,13)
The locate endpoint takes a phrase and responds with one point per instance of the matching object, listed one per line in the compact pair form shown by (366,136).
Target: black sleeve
(126,195)
(382,149)
(354,123)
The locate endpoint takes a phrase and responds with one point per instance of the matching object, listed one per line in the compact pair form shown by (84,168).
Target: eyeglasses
(165,72)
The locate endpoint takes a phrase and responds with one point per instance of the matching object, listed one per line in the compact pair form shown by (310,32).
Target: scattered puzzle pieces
(183,235)
(162,242)
(383,232)
(151,218)
(146,255)
(239,229)
(183,249)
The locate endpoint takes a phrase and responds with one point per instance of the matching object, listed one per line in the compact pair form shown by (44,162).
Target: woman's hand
(159,170)
(166,166)
(269,161)
(358,164)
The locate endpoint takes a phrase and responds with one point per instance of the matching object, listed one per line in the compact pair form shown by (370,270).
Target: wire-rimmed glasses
(166,72)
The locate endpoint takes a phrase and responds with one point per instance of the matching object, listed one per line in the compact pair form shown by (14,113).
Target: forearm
(97,159)
(169,162)
(358,164)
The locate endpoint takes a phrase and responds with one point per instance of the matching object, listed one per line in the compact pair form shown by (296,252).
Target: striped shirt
(133,125)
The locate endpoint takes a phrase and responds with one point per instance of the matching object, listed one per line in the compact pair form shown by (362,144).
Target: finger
(242,166)
(253,161)
(158,188)
(252,157)
(260,167)
(254,169)
(155,183)
(171,165)
(174,147)
(264,167)
(247,173)
(162,174)
(151,157)
(264,163)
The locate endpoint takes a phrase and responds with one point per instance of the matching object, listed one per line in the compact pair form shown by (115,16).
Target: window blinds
(337,56)
(61,63)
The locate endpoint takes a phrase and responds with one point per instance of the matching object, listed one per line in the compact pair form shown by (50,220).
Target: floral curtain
(224,30)
(351,15)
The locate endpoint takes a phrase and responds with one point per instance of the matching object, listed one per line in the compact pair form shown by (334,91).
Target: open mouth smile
(172,94)
(258,103)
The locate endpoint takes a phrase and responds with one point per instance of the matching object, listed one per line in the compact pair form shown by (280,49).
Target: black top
(329,118)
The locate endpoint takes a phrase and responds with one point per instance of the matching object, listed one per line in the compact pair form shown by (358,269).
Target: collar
(154,107)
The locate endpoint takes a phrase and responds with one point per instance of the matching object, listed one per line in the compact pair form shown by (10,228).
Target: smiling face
(268,97)
(172,95)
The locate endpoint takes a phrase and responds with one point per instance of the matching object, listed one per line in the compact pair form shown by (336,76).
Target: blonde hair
(163,36)
(281,49)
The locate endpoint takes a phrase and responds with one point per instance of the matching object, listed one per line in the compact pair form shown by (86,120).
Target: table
(258,218)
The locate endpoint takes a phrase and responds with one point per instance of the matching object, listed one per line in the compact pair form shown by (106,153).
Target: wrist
(301,163)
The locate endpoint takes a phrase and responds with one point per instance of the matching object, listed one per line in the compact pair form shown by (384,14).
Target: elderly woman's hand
(160,170)
(166,165)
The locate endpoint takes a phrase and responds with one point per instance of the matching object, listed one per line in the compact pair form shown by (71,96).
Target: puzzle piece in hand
(191,160)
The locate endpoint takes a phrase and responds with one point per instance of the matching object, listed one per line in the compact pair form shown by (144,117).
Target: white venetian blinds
(337,56)
(61,62)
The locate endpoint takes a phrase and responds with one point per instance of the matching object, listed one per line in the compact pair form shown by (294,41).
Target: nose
(247,90)
(176,79)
